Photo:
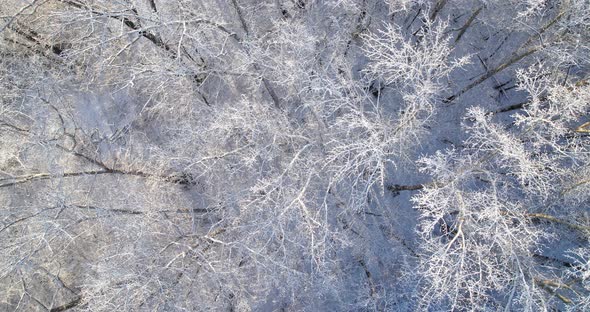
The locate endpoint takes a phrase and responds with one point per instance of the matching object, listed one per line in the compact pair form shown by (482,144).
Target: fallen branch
(470,20)
(548,284)
(582,228)
(490,74)
(397,187)
(514,59)
(72,304)
(20,12)
(182,179)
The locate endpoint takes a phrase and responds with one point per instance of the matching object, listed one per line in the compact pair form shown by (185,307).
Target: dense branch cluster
(300,155)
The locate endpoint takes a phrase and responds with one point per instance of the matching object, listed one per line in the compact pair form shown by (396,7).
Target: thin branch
(369,277)
(584,128)
(440,4)
(267,85)
(543,216)
(397,187)
(412,187)
(153,5)
(8,125)
(155,39)
(13,18)
(173,179)
(25,218)
(240,16)
(509,108)
(44,176)
(138,212)
(70,305)
(491,73)
(547,284)
(467,24)
(514,59)
(576,185)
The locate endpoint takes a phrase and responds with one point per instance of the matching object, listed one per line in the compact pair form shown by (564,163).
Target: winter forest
(294,155)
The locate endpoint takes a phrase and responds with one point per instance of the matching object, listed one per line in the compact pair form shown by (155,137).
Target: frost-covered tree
(248,155)
(501,206)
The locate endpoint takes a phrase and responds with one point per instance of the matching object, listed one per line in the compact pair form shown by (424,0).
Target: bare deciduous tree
(294,155)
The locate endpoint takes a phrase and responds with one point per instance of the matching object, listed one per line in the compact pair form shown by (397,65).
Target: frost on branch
(476,241)
(413,65)
(499,203)
(373,139)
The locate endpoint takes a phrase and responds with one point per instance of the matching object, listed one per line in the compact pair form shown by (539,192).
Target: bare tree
(294,155)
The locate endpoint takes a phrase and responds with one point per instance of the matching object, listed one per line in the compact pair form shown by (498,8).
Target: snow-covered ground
(251,155)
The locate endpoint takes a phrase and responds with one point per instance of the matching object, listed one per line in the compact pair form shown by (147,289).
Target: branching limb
(15,16)
(543,216)
(470,20)
(514,59)
(70,305)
